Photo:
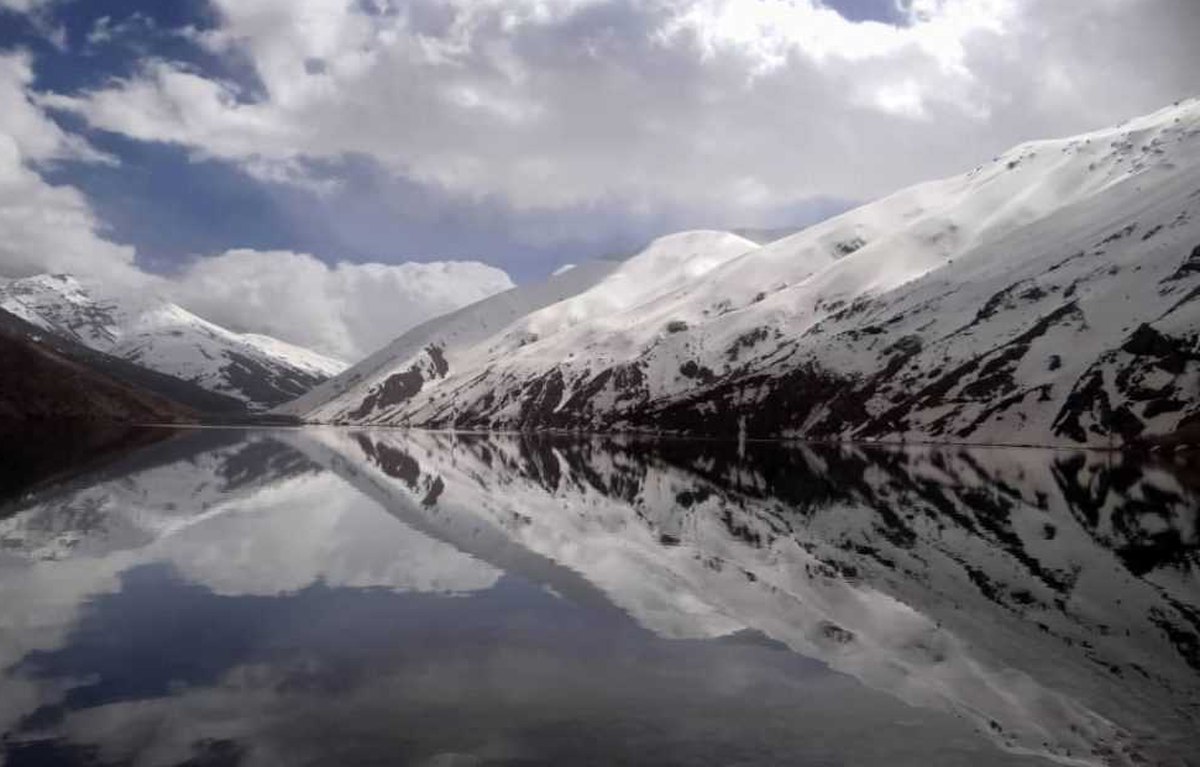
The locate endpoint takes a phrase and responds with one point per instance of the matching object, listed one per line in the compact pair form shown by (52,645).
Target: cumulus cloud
(717,104)
(46,227)
(347,310)
(23,6)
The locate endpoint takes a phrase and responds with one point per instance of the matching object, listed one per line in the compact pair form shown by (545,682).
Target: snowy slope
(585,295)
(164,337)
(1045,297)
(1049,614)
(447,334)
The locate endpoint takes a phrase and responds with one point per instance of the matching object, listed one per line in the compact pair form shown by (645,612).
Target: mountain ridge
(259,371)
(1046,297)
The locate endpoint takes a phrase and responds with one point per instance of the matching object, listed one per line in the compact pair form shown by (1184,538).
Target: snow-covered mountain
(1048,296)
(161,336)
(424,348)
(583,294)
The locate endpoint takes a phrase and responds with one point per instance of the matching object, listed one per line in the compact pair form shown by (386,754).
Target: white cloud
(105,30)
(45,227)
(23,6)
(48,228)
(37,138)
(554,103)
(36,14)
(347,310)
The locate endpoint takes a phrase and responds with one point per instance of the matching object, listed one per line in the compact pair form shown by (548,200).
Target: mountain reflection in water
(324,596)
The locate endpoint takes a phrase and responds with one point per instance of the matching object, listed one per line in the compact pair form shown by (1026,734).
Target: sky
(334,171)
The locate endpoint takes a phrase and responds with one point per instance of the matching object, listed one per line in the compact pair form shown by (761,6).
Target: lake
(338,597)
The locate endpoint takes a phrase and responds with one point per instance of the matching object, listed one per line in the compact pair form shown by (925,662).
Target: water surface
(326,596)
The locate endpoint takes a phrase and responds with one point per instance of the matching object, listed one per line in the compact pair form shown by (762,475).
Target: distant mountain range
(223,371)
(1048,296)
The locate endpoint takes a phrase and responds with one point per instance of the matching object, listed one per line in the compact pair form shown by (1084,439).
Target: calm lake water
(331,597)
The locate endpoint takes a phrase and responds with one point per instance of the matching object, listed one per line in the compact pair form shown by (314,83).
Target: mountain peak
(1011,303)
(165,337)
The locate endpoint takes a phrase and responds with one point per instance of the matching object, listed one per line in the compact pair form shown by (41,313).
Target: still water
(331,597)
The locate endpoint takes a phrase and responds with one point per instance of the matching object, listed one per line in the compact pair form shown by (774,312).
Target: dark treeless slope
(169,387)
(61,412)
(41,383)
